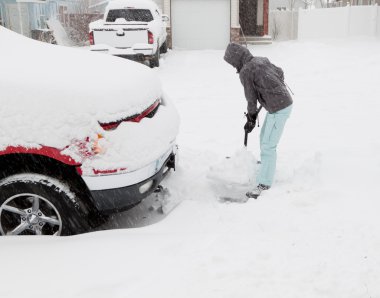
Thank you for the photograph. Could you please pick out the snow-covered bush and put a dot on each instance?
(77, 29)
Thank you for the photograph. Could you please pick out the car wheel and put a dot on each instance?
(155, 61)
(34, 204)
(164, 48)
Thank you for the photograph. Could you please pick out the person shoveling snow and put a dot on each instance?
(263, 82)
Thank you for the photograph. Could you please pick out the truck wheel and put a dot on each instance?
(164, 48)
(34, 204)
(155, 61)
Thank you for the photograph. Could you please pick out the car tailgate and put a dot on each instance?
(120, 37)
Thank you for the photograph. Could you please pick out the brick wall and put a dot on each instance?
(235, 35)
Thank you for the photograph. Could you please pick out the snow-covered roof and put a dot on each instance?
(51, 95)
(143, 4)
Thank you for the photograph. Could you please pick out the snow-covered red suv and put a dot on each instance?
(82, 134)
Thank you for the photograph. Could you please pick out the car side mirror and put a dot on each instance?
(165, 18)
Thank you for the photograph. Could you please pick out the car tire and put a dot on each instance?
(35, 204)
(155, 61)
(164, 48)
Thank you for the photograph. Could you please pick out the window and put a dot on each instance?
(130, 15)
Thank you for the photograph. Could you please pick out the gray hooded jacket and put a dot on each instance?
(262, 81)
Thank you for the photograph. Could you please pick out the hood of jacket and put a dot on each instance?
(237, 56)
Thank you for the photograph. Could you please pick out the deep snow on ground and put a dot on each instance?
(316, 233)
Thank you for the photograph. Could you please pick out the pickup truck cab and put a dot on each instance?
(133, 29)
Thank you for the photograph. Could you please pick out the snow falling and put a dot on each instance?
(316, 233)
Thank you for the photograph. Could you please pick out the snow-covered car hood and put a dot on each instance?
(51, 95)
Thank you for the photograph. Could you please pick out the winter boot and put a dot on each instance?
(257, 191)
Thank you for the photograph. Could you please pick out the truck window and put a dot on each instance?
(130, 15)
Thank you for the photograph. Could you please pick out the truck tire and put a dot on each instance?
(35, 204)
(155, 61)
(164, 48)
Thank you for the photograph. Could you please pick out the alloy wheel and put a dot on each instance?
(29, 214)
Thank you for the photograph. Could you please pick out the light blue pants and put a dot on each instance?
(269, 137)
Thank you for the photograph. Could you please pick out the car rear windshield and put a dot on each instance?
(130, 15)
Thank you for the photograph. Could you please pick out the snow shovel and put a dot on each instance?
(246, 131)
(238, 198)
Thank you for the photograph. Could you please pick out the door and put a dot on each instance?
(248, 17)
(200, 24)
(18, 18)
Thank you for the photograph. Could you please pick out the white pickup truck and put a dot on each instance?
(133, 29)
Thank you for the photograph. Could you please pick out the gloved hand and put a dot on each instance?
(251, 122)
(249, 126)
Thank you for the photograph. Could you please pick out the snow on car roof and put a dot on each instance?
(51, 95)
(143, 4)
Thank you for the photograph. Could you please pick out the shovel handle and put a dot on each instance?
(246, 132)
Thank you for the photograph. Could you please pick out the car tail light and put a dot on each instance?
(149, 112)
(150, 37)
(91, 38)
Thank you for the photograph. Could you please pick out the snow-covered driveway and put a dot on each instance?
(315, 234)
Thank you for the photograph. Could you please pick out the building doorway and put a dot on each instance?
(251, 14)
